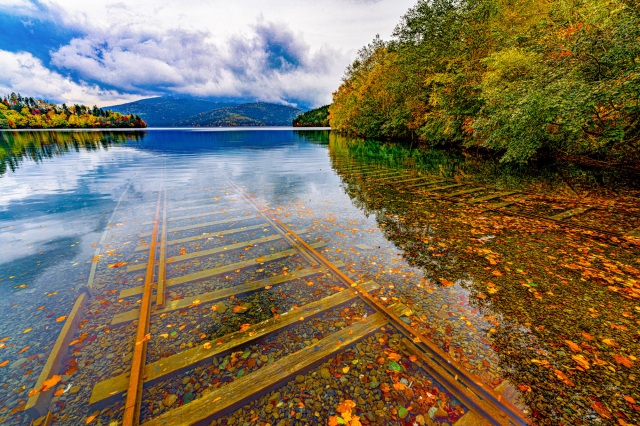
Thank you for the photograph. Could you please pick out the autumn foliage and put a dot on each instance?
(518, 78)
(17, 112)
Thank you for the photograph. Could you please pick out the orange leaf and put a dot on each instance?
(90, 419)
(49, 383)
(26, 348)
(144, 339)
(244, 327)
(394, 356)
(629, 399)
(385, 388)
(333, 421)
(563, 378)
(446, 283)
(573, 346)
(580, 359)
(601, 410)
(4, 363)
(207, 345)
(117, 265)
(413, 358)
(399, 386)
(587, 335)
(346, 406)
(62, 318)
(620, 359)
(27, 330)
(609, 342)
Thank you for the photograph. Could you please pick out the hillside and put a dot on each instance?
(168, 111)
(251, 114)
(318, 117)
(17, 112)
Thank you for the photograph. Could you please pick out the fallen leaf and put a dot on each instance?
(446, 283)
(345, 370)
(90, 419)
(385, 388)
(62, 318)
(26, 348)
(51, 382)
(346, 407)
(629, 399)
(582, 361)
(117, 265)
(4, 363)
(609, 342)
(601, 410)
(620, 359)
(144, 339)
(207, 345)
(563, 378)
(573, 346)
(399, 386)
(244, 327)
(58, 392)
(394, 356)
(27, 330)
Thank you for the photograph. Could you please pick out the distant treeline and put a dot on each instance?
(17, 112)
(521, 79)
(318, 117)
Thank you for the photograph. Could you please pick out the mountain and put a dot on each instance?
(168, 111)
(251, 114)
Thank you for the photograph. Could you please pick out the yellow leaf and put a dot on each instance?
(345, 370)
(582, 361)
(609, 342)
(27, 330)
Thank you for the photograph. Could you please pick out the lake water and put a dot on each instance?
(531, 277)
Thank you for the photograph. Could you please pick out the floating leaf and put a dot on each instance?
(117, 265)
(629, 399)
(27, 330)
(609, 342)
(207, 345)
(62, 318)
(244, 327)
(4, 363)
(26, 348)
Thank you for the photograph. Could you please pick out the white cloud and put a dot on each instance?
(215, 48)
(22, 72)
(272, 63)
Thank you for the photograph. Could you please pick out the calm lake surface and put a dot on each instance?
(529, 281)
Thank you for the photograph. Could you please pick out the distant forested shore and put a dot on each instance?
(524, 80)
(17, 112)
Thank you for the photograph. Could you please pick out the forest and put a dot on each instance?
(318, 117)
(521, 79)
(17, 112)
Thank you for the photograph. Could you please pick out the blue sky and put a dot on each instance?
(111, 52)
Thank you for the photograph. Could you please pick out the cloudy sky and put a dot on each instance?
(110, 52)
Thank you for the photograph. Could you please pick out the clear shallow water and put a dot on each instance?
(468, 275)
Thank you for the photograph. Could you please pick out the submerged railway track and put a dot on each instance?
(223, 223)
